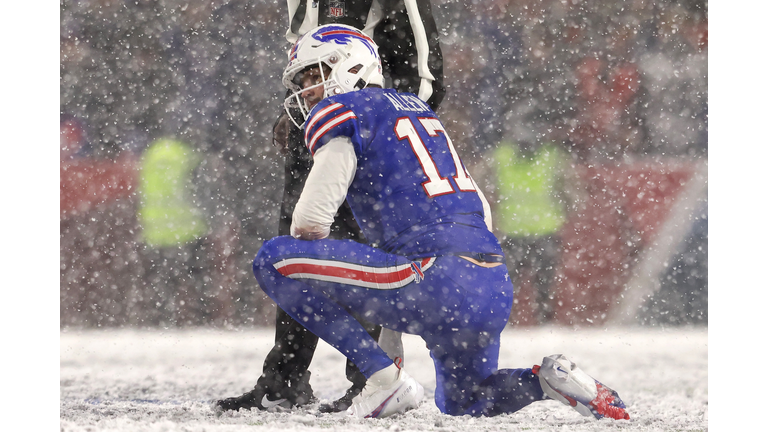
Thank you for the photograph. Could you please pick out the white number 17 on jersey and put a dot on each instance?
(436, 184)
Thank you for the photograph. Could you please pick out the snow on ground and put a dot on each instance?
(135, 380)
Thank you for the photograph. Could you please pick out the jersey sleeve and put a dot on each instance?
(329, 120)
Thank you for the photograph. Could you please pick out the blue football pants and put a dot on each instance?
(457, 307)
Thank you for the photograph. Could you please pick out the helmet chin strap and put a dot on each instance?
(298, 107)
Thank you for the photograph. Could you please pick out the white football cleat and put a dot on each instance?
(562, 380)
(387, 392)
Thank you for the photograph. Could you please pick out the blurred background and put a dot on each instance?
(584, 122)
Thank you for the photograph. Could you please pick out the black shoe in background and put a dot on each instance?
(342, 403)
(251, 399)
(299, 392)
(266, 395)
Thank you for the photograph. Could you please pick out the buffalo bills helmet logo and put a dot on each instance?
(342, 36)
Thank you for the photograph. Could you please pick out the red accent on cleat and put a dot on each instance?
(535, 369)
(377, 412)
(601, 404)
(570, 400)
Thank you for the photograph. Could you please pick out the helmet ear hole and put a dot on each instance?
(355, 69)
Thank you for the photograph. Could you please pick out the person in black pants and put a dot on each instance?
(412, 61)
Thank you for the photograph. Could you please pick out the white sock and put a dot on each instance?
(385, 377)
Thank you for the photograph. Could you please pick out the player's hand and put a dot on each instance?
(280, 133)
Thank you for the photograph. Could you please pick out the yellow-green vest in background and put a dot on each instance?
(167, 214)
(526, 202)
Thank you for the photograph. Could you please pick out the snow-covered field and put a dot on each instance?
(131, 380)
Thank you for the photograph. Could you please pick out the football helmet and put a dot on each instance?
(352, 61)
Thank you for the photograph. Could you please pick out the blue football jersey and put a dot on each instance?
(411, 193)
